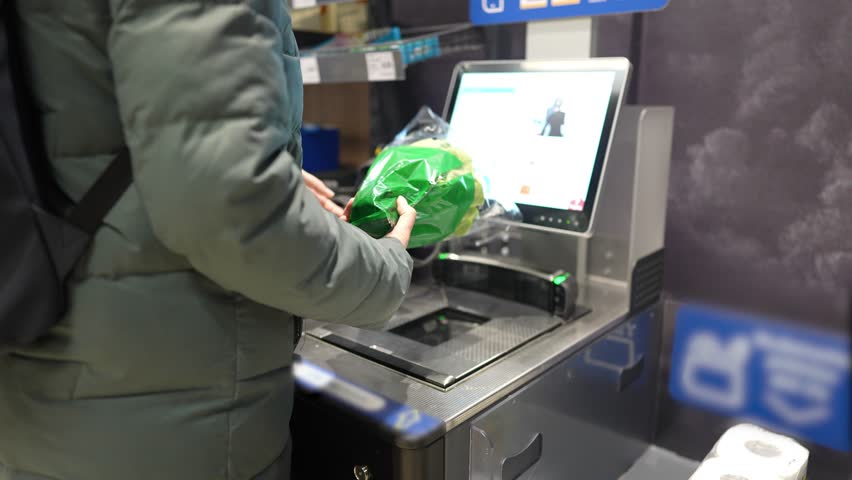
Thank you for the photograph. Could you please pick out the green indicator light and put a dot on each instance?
(560, 280)
(443, 256)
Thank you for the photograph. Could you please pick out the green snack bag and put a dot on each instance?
(435, 178)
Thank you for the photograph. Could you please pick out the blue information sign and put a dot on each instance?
(484, 12)
(791, 379)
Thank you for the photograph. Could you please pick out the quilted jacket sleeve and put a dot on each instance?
(210, 95)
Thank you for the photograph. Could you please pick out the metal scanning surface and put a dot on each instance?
(608, 304)
(508, 326)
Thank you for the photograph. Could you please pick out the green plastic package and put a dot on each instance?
(436, 179)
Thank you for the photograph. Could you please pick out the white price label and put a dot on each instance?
(310, 70)
(304, 3)
(381, 67)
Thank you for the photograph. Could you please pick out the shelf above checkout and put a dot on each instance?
(380, 55)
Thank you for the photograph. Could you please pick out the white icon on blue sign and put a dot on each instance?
(800, 379)
(493, 6)
(790, 378)
(708, 356)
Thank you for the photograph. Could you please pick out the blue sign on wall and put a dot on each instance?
(484, 12)
(791, 379)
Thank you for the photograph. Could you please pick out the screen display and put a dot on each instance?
(534, 136)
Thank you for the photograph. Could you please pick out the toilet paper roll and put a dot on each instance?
(721, 469)
(751, 445)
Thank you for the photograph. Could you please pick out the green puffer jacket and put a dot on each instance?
(174, 359)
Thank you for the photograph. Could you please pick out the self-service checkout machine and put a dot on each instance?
(525, 350)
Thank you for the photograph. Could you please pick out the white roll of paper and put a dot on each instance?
(755, 447)
(721, 469)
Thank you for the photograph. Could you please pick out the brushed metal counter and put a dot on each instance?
(462, 401)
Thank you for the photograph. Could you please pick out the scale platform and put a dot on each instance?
(443, 334)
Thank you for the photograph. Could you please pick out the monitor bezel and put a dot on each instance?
(532, 215)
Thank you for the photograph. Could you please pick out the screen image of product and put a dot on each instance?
(554, 124)
(554, 120)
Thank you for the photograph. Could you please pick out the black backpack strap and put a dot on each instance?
(89, 212)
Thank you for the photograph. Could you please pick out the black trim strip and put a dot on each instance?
(646, 284)
(439, 379)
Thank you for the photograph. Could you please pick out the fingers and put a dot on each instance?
(407, 217)
(347, 212)
(407, 214)
(317, 186)
(322, 192)
(330, 206)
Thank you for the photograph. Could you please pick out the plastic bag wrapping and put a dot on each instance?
(436, 178)
(425, 125)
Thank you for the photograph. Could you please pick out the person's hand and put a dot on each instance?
(407, 216)
(322, 192)
(347, 212)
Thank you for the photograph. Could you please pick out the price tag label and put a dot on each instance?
(310, 70)
(381, 67)
(304, 3)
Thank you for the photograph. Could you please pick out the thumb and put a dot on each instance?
(407, 214)
(407, 217)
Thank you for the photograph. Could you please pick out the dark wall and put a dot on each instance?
(760, 212)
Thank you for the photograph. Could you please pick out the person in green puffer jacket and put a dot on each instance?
(173, 361)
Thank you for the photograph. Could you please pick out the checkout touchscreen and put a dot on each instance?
(538, 138)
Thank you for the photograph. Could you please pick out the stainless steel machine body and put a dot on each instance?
(533, 395)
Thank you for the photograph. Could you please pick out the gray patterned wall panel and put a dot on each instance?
(760, 212)
(760, 207)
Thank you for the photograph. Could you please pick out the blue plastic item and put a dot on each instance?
(321, 149)
(420, 50)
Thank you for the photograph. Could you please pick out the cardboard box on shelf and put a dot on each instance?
(351, 17)
(309, 19)
(333, 18)
(346, 107)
